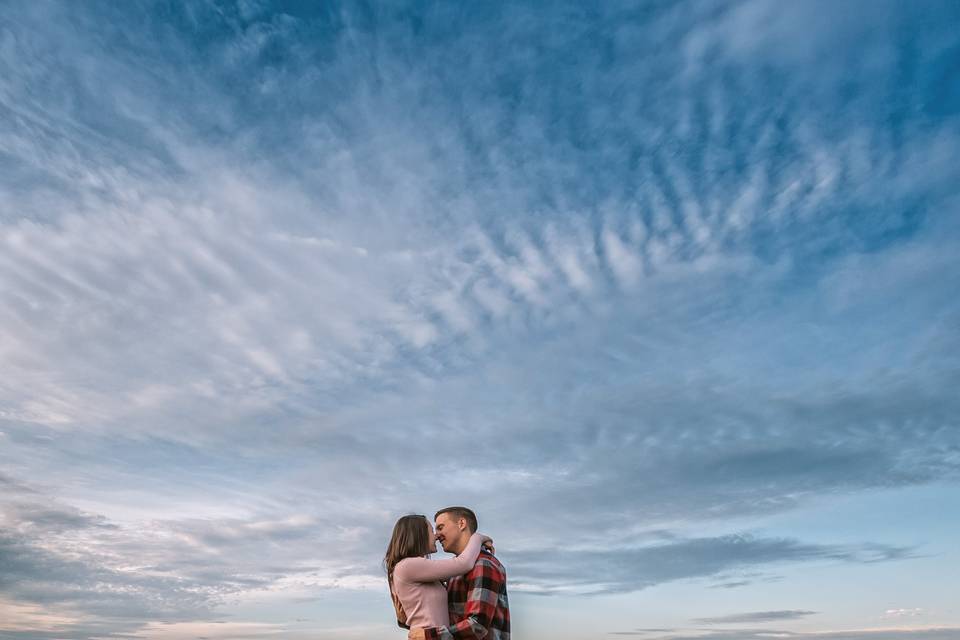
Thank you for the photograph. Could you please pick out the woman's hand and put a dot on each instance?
(416, 634)
(487, 542)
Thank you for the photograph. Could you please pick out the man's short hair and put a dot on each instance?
(460, 512)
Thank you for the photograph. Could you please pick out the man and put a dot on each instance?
(478, 600)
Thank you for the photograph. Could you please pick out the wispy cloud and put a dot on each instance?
(624, 570)
(642, 271)
(757, 616)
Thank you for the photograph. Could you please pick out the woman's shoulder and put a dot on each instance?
(401, 568)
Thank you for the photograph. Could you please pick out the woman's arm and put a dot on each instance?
(423, 570)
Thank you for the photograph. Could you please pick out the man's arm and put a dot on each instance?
(485, 584)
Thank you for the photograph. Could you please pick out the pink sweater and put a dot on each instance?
(416, 581)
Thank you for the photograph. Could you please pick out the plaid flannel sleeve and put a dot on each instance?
(485, 583)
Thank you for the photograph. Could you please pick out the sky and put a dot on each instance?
(666, 292)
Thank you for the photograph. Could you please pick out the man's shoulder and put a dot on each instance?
(487, 564)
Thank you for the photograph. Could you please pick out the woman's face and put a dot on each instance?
(431, 537)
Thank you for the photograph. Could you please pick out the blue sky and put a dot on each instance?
(666, 292)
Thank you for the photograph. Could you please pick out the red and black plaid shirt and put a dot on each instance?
(478, 604)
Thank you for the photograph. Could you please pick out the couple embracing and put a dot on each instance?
(473, 602)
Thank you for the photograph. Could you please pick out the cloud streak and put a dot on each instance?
(757, 616)
(644, 271)
(938, 633)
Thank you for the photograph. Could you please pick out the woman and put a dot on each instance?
(418, 596)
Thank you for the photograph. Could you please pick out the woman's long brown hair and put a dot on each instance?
(410, 539)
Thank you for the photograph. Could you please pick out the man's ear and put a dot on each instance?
(462, 523)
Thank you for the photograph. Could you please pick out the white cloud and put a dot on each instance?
(904, 613)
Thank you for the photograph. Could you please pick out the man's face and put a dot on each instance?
(451, 533)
